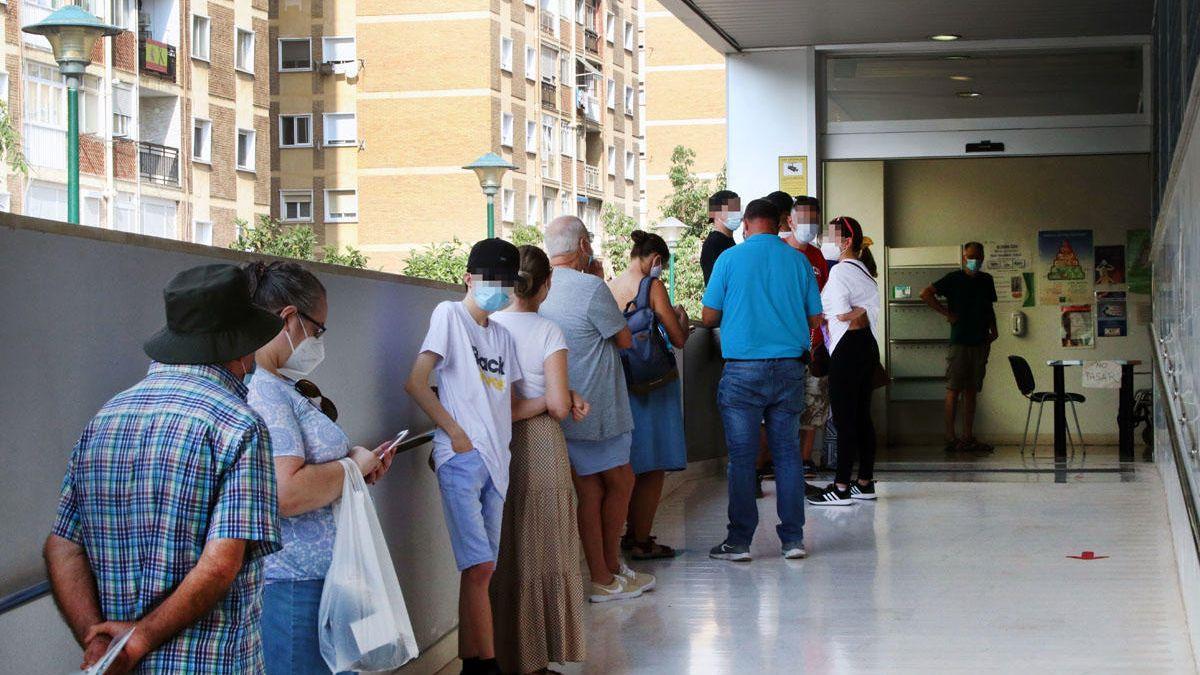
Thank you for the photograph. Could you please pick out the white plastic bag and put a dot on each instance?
(363, 623)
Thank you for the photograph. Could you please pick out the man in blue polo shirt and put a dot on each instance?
(763, 294)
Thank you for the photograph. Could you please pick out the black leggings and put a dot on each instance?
(851, 371)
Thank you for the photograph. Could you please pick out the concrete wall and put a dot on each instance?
(78, 302)
(949, 201)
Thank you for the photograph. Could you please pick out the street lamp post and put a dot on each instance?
(72, 32)
(671, 229)
(490, 168)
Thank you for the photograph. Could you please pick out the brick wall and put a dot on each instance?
(520, 212)
(318, 208)
(125, 52)
(223, 181)
(223, 225)
(262, 65)
(262, 150)
(318, 135)
(12, 25)
(520, 68)
(91, 155)
(275, 186)
(125, 159)
(519, 158)
(221, 79)
(619, 184)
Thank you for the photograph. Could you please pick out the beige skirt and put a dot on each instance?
(537, 590)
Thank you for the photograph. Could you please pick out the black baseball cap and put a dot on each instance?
(495, 260)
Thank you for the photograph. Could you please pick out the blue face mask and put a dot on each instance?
(491, 298)
(973, 264)
(733, 221)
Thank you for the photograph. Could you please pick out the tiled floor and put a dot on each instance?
(937, 576)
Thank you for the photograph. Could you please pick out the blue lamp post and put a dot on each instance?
(72, 32)
(490, 168)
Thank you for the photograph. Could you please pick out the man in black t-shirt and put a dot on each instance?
(969, 295)
(725, 214)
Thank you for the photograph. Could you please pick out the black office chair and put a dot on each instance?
(1025, 382)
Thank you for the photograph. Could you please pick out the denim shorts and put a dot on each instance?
(289, 628)
(474, 509)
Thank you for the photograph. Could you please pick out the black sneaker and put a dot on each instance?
(730, 552)
(859, 491)
(810, 470)
(831, 496)
(767, 471)
(811, 491)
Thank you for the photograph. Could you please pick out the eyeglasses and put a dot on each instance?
(320, 326)
(312, 392)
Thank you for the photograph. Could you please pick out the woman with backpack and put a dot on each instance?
(654, 394)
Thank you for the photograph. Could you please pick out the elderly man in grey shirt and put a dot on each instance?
(583, 307)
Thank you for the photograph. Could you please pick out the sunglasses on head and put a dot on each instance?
(311, 391)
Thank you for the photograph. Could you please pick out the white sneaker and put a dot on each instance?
(794, 551)
(639, 580)
(617, 590)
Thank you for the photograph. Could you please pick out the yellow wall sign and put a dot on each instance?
(793, 175)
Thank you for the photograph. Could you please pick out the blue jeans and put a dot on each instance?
(289, 628)
(751, 393)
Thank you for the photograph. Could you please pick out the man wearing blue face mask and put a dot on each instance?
(476, 363)
(969, 293)
(725, 214)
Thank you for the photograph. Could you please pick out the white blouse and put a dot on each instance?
(849, 285)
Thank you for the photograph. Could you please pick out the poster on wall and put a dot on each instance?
(1078, 330)
(1137, 273)
(1007, 262)
(1110, 265)
(1030, 289)
(1112, 318)
(1063, 275)
(793, 174)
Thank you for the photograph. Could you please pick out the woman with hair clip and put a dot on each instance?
(306, 443)
(851, 302)
(658, 443)
(537, 590)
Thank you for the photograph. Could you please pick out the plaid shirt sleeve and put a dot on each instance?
(246, 504)
(66, 524)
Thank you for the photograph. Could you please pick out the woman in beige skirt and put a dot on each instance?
(537, 589)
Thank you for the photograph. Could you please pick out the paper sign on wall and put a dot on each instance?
(1078, 329)
(793, 174)
(1112, 319)
(1006, 262)
(1102, 375)
(1064, 257)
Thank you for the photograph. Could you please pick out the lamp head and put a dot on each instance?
(490, 169)
(72, 32)
(671, 230)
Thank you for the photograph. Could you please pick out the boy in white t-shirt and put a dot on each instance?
(476, 363)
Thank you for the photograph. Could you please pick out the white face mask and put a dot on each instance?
(785, 235)
(305, 357)
(806, 232)
(733, 220)
(829, 251)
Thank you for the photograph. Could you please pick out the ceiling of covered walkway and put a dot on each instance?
(736, 25)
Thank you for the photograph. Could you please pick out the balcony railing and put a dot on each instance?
(156, 58)
(549, 24)
(591, 178)
(591, 42)
(590, 107)
(158, 163)
(549, 95)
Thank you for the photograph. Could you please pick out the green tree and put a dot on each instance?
(10, 144)
(688, 200)
(616, 244)
(271, 237)
(527, 234)
(446, 262)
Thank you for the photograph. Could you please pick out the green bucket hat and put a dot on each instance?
(210, 318)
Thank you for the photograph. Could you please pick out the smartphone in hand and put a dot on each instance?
(395, 441)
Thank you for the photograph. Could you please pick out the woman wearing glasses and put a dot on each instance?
(307, 444)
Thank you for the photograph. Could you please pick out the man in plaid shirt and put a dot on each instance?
(168, 504)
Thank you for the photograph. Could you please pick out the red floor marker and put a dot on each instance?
(1088, 555)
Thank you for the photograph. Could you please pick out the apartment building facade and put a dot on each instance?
(684, 102)
(174, 133)
(377, 104)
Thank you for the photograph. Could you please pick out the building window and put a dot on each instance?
(245, 149)
(506, 54)
(548, 139)
(339, 49)
(244, 51)
(531, 210)
(629, 100)
(202, 232)
(629, 33)
(158, 217)
(530, 136)
(548, 201)
(568, 140)
(549, 65)
(91, 119)
(508, 205)
(612, 161)
(124, 14)
(200, 32)
(568, 71)
(579, 12)
(630, 165)
(610, 94)
(295, 131)
(296, 205)
(610, 27)
(506, 129)
(341, 206)
(530, 63)
(122, 120)
(341, 129)
(295, 54)
(201, 140)
(125, 212)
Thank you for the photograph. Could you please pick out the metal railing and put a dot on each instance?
(156, 58)
(549, 95)
(158, 163)
(591, 42)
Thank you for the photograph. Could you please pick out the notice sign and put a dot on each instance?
(793, 174)
(1102, 375)
(1112, 319)
(1007, 262)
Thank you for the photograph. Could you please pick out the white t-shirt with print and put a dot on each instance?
(537, 338)
(476, 373)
